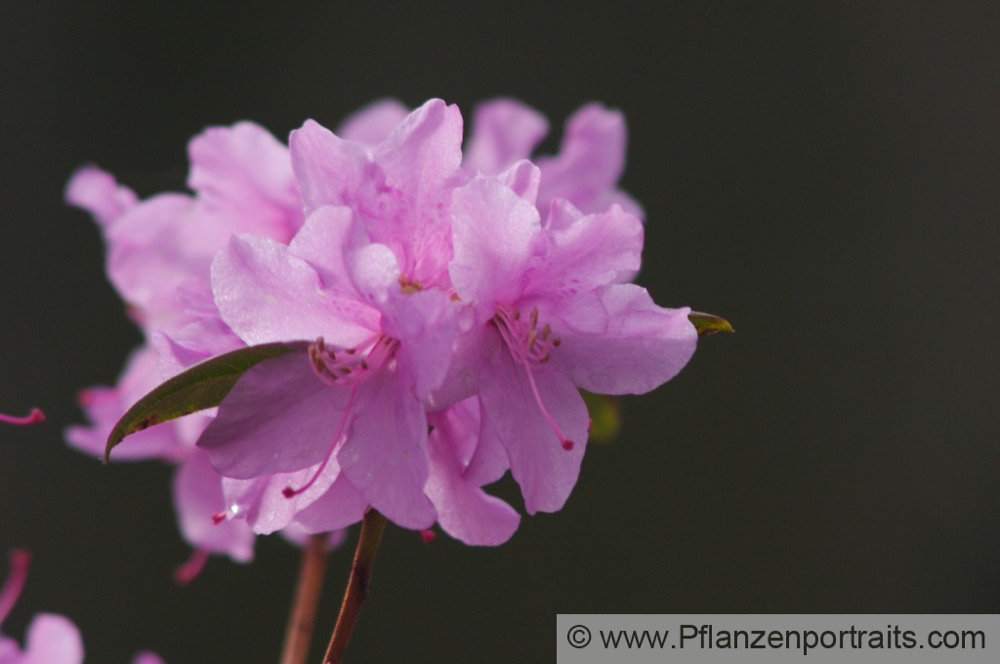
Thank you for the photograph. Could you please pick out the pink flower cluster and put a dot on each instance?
(448, 310)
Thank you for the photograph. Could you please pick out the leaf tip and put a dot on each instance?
(709, 324)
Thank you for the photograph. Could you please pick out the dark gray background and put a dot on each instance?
(824, 175)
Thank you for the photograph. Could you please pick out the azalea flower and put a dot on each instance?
(438, 301)
(159, 255)
(443, 311)
(551, 319)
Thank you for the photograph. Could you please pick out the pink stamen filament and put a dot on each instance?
(33, 417)
(20, 560)
(189, 570)
(566, 443)
(529, 347)
(288, 491)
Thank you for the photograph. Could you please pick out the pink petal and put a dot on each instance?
(151, 254)
(147, 658)
(495, 233)
(374, 123)
(198, 498)
(339, 507)
(52, 639)
(279, 417)
(398, 188)
(263, 503)
(100, 194)
(589, 163)
(592, 251)
(545, 470)
(327, 166)
(616, 340)
(264, 293)
(464, 510)
(503, 132)
(323, 240)
(244, 180)
(385, 456)
(426, 324)
(523, 178)
(105, 405)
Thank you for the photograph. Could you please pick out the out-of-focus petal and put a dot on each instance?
(244, 180)
(52, 639)
(503, 132)
(97, 192)
(374, 123)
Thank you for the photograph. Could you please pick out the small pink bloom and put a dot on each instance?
(551, 318)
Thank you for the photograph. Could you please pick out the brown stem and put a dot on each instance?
(298, 634)
(357, 586)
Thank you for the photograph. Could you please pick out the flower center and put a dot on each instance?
(345, 368)
(531, 347)
(348, 365)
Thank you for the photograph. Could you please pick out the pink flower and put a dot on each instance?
(378, 351)
(550, 318)
(446, 309)
(159, 255)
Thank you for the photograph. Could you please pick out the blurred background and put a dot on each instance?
(825, 176)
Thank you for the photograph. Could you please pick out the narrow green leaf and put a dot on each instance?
(707, 324)
(605, 416)
(202, 386)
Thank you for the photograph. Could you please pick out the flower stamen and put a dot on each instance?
(380, 350)
(33, 417)
(527, 347)
(20, 560)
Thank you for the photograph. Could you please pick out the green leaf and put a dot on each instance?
(605, 416)
(707, 324)
(202, 386)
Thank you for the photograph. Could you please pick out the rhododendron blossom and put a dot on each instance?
(443, 311)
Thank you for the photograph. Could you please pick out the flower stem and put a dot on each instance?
(357, 586)
(298, 634)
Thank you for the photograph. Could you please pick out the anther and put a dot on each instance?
(218, 517)
(427, 535)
